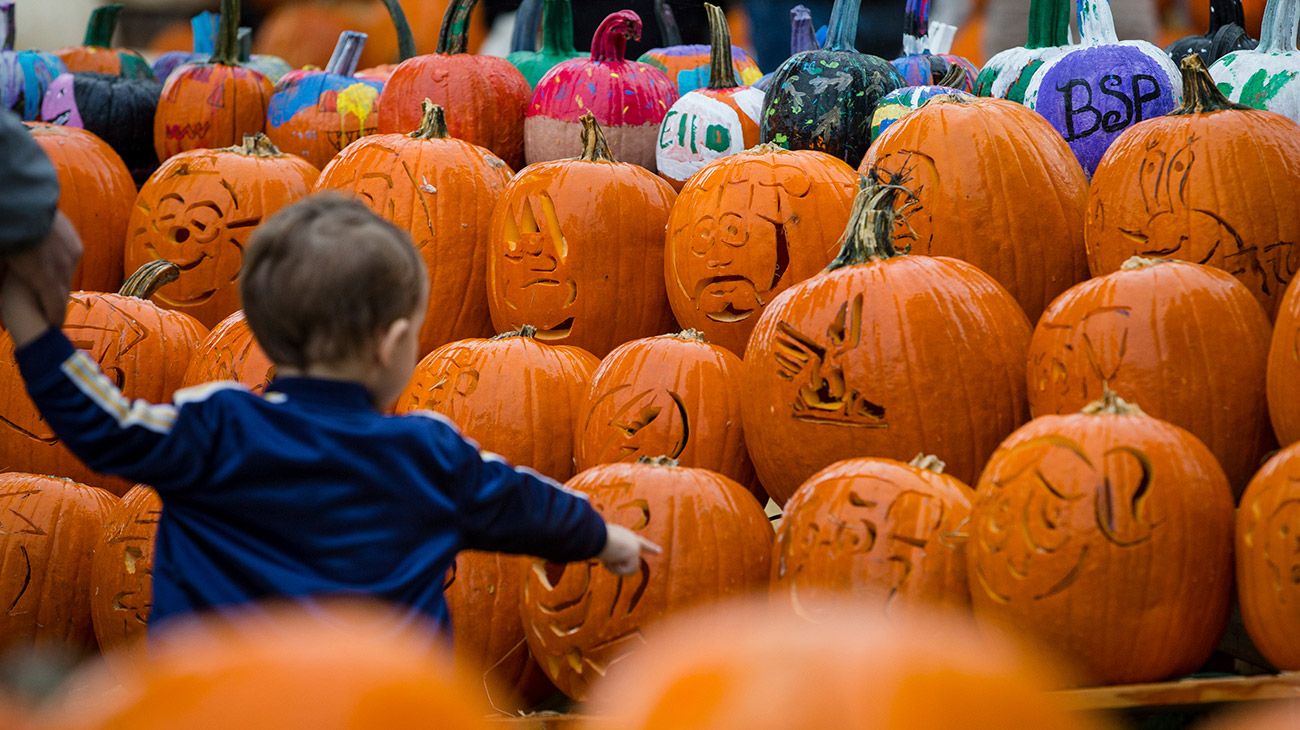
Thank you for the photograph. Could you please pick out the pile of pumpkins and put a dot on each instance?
(1022, 362)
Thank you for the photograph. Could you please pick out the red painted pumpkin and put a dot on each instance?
(95, 54)
(230, 352)
(121, 576)
(1283, 380)
(1268, 559)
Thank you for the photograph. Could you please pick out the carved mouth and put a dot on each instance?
(729, 313)
(558, 332)
(541, 282)
(62, 118)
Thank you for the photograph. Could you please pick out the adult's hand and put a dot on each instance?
(47, 269)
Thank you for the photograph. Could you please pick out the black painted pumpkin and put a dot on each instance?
(824, 99)
(1227, 33)
(118, 110)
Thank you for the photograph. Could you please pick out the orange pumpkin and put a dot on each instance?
(575, 248)
(1169, 187)
(1268, 559)
(230, 352)
(48, 527)
(485, 96)
(95, 55)
(887, 535)
(441, 190)
(215, 103)
(673, 395)
(121, 573)
(1190, 340)
(143, 348)
(581, 619)
(96, 195)
(972, 165)
(883, 355)
(1283, 382)
(1108, 535)
(198, 211)
(746, 228)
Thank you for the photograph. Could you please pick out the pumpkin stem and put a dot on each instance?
(433, 124)
(1096, 23)
(1111, 404)
(203, 27)
(7, 26)
(668, 30)
(557, 27)
(803, 37)
(928, 462)
(526, 331)
(1281, 20)
(661, 461)
(528, 19)
(226, 52)
(916, 25)
(257, 145)
(722, 69)
(1133, 263)
(690, 334)
(842, 34)
(245, 44)
(1226, 12)
(609, 44)
(148, 279)
(954, 77)
(405, 40)
(101, 26)
(1049, 23)
(347, 53)
(1200, 95)
(594, 146)
(454, 36)
(870, 233)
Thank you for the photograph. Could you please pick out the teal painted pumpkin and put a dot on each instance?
(557, 43)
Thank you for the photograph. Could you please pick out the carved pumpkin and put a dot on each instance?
(886, 535)
(230, 352)
(1008, 73)
(1269, 76)
(823, 99)
(897, 104)
(141, 347)
(1268, 559)
(883, 355)
(316, 114)
(215, 103)
(94, 55)
(48, 527)
(1156, 330)
(802, 38)
(1106, 534)
(199, 210)
(967, 163)
(557, 43)
(581, 619)
(121, 575)
(1284, 369)
(630, 99)
(24, 75)
(575, 248)
(673, 395)
(515, 396)
(712, 122)
(1227, 33)
(924, 64)
(442, 191)
(1094, 91)
(690, 66)
(1153, 196)
(748, 227)
(116, 109)
(203, 31)
(96, 193)
(485, 97)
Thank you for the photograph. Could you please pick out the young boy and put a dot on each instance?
(310, 490)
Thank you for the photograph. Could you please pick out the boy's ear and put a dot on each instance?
(391, 339)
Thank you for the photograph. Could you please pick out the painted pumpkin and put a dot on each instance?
(885, 535)
(47, 530)
(406, 46)
(557, 43)
(121, 572)
(690, 66)
(802, 38)
(96, 193)
(316, 114)
(203, 30)
(118, 110)
(95, 55)
(581, 619)
(1269, 76)
(485, 97)
(1268, 559)
(1163, 191)
(1094, 91)
(1156, 330)
(199, 211)
(672, 395)
(230, 352)
(897, 104)
(24, 75)
(823, 100)
(628, 98)
(141, 347)
(748, 227)
(863, 360)
(576, 249)
(1227, 33)
(968, 162)
(1083, 523)
(512, 394)
(442, 191)
(922, 64)
(712, 122)
(1008, 73)
(1284, 369)
(212, 104)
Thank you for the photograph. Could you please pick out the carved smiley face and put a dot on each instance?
(537, 275)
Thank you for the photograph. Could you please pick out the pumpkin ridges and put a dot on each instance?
(1264, 522)
(131, 525)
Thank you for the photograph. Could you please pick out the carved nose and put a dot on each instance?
(180, 235)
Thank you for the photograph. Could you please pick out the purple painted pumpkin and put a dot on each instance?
(687, 65)
(24, 75)
(925, 59)
(204, 29)
(802, 38)
(628, 98)
(1094, 91)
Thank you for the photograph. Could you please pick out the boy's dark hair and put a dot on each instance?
(323, 276)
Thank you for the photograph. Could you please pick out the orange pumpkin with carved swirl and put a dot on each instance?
(580, 619)
(1268, 559)
(121, 578)
(1106, 534)
(888, 536)
(230, 352)
(1283, 382)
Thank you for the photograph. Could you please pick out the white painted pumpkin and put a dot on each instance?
(1269, 76)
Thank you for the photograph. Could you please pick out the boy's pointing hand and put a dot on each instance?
(623, 549)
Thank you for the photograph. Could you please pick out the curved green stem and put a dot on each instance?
(842, 35)
(101, 26)
(1049, 23)
(557, 28)
(405, 40)
(226, 52)
(454, 36)
(722, 68)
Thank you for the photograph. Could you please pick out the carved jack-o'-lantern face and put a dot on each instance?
(651, 417)
(122, 571)
(192, 233)
(535, 268)
(1281, 547)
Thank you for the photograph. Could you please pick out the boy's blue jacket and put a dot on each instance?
(307, 491)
